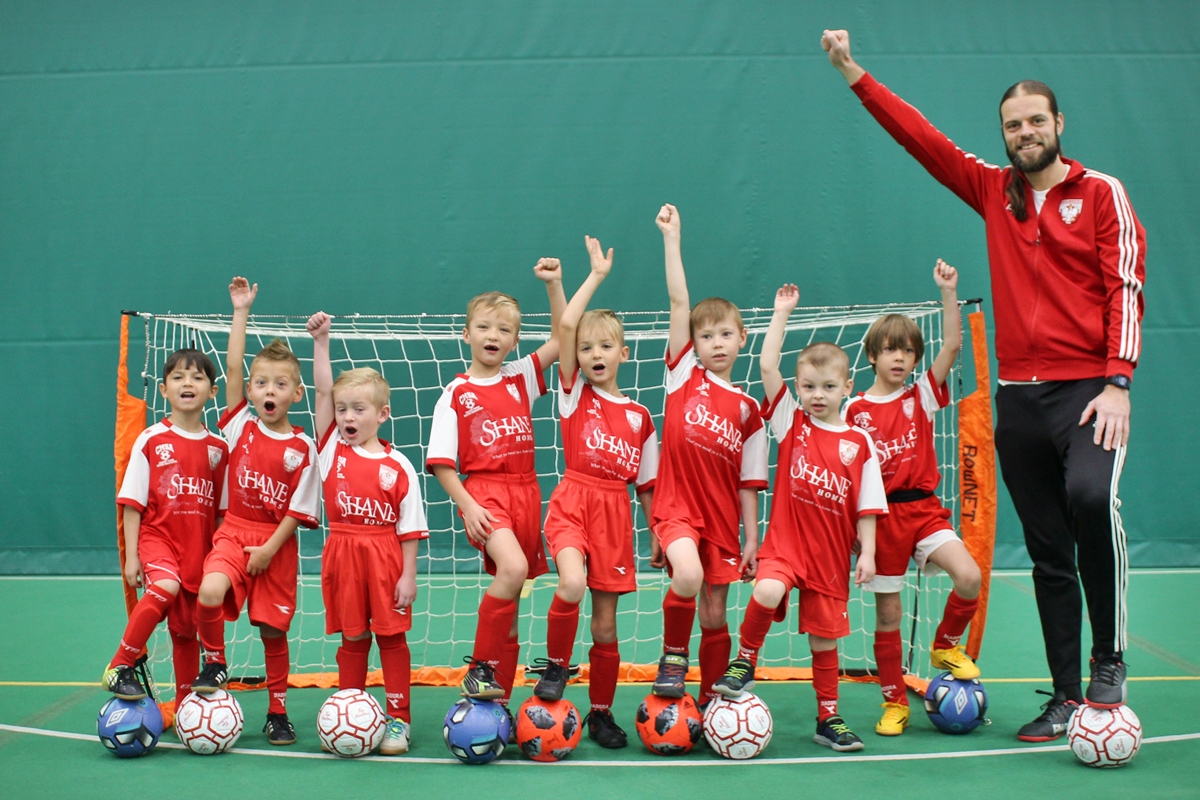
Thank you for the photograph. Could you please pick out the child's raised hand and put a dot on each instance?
(601, 263)
(668, 220)
(318, 324)
(837, 44)
(787, 297)
(242, 293)
(945, 276)
(548, 269)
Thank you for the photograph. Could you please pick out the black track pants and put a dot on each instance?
(1064, 488)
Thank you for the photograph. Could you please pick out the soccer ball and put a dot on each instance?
(209, 723)
(669, 727)
(129, 728)
(476, 731)
(1105, 737)
(548, 730)
(351, 723)
(955, 706)
(737, 727)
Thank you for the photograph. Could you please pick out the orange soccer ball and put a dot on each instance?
(669, 727)
(548, 730)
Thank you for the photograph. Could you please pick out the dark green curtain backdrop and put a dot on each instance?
(386, 157)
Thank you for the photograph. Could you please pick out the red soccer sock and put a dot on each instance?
(715, 645)
(210, 621)
(185, 656)
(561, 624)
(605, 660)
(279, 664)
(149, 611)
(491, 631)
(889, 651)
(352, 662)
(825, 682)
(955, 620)
(507, 672)
(755, 624)
(397, 665)
(678, 615)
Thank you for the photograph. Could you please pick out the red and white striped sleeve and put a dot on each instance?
(1121, 244)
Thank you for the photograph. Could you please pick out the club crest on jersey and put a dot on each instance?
(907, 407)
(292, 459)
(635, 421)
(745, 411)
(1069, 209)
(387, 477)
(214, 456)
(514, 391)
(847, 450)
(165, 453)
(469, 401)
(703, 388)
(863, 420)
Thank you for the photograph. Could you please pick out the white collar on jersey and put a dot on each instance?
(825, 426)
(366, 453)
(194, 435)
(270, 434)
(612, 398)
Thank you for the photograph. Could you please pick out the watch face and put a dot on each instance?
(1120, 381)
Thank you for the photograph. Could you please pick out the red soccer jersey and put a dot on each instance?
(826, 478)
(484, 424)
(174, 479)
(606, 436)
(271, 475)
(901, 426)
(364, 488)
(713, 444)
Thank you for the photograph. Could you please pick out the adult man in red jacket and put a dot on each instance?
(1067, 258)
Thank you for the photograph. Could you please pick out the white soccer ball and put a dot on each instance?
(351, 723)
(209, 723)
(1105, 737)
(738, 727)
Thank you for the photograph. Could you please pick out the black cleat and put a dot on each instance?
(737, 680)
(123, 682)
(1107, 687)
(1052, 722)
(672, 674)
(836, 734)
(213, 677)
(553, 681)
(604, 730)
(279, 730)
(480, 681)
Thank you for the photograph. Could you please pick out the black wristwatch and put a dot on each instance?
(1119, 381)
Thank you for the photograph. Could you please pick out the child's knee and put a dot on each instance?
(604, 631)
(888, 611)
(571, 586)
(968, 580)
(769, 592)
(511, 571)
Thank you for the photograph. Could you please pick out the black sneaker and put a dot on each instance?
(480, 681)
(123, 682)
(213, 677)
(737, 680)
(279, 730)
(672, 673)
(1107, 687)
(603, 728)
(1052, 722)
(836, 734)
(553, 681)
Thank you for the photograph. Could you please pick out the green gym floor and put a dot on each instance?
(49, 699)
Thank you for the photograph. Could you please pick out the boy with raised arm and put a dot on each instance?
(828, 493)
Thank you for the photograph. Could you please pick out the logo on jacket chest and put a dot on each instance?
(1070, 209)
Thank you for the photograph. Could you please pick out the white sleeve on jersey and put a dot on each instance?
(530, 369)
(933, 398)
(305, 503)
(135, 487)
(327, 449)
(412, 507)
(754, 456)
(648, 468)
(568, 402)
(235, 422)
(871, 495)
(679, 372)
(783, 411)
(443, 432)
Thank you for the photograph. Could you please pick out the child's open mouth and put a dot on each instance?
(269, 406)
(491, 348)
(185, 395)
(350, 430)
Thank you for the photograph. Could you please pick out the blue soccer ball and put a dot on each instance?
(955, 706)
(129, 728)
(476, 731)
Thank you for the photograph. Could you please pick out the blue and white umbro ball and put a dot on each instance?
(129, 728)
(476, 731)
(955, 706)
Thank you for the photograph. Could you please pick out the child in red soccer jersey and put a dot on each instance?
(170, 498)
(899, 418)
(482, 426)
(828, 493)
(609, 441)
(712, 467)
(376, 517)
(273, 488)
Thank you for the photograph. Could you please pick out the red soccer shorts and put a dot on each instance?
(719, 562)
(360, 567)
(820, 614)
(593, 515)
(159, 560)
(271, 593)
(908, 531)
(515, 502)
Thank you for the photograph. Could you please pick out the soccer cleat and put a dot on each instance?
(737, 680)
(553, 681)
(123, 682)
(279, 730)
(1107, 686)
(214, 676)
(894, 719)
(834, 733)
(1052, 722)
(955, 661)
(604, 730)
(672, 673)
(395, 738)
(480, 681)
(512, 725)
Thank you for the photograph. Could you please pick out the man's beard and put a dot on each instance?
(1050, 151)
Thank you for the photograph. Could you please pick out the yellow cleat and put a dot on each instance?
(894, 719)
(955, 661)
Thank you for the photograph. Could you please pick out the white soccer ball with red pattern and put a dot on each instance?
(209, 723)
(351, 723)
(1105, 737)
(738, 727)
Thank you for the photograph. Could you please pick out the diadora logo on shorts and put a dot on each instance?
(1069, 209)
(283, 609)
(165, 453)
(907, 407)
(387, 477)
(470, 402)
(514, 391)
(635, 421)
(619, 569)
(214, 456)
(847, 450)
(732, 561)
(292, 459)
